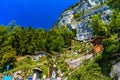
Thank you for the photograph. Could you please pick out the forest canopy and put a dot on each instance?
(19, 41)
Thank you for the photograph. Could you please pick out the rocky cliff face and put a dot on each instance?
(78, 17)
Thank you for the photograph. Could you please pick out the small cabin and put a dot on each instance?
(37, 74)
(39, 54)
(97, 42)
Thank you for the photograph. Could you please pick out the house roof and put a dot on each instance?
(98, 38)
(41, 52)
(37, 69)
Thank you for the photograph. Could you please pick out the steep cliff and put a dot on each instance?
(79, 15)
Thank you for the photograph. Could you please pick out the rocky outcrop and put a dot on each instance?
(74, 63)
(115, 72)
(86, 9)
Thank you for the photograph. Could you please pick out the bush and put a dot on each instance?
(76, 15)
(62, 65)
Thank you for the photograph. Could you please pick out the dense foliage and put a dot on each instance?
(18, 41)
(100, 28)
(99, 68)
(115, 4)
(77, 15)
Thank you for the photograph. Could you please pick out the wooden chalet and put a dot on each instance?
(97, 42)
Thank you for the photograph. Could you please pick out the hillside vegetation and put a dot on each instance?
(99, 68)
(60, 45)
(19, 41)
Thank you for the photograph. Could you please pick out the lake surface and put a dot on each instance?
(35, 13)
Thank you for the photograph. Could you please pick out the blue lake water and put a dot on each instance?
(36, 13)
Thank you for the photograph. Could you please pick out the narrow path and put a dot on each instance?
(77, 63)
(65, 78)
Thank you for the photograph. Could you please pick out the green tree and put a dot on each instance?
(55, 41)
(100, 28)
(40, 39)
(7, 53)
(16, 39)
(77, 15)
(8, 56)
(23, 40)
(67, 35)
(115, 4)
(115, 23)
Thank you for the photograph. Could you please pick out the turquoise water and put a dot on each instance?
(36, 13)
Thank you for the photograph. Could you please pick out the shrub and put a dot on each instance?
(76, 15)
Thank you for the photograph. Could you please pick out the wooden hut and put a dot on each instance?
(37, 74)
(97, 42)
